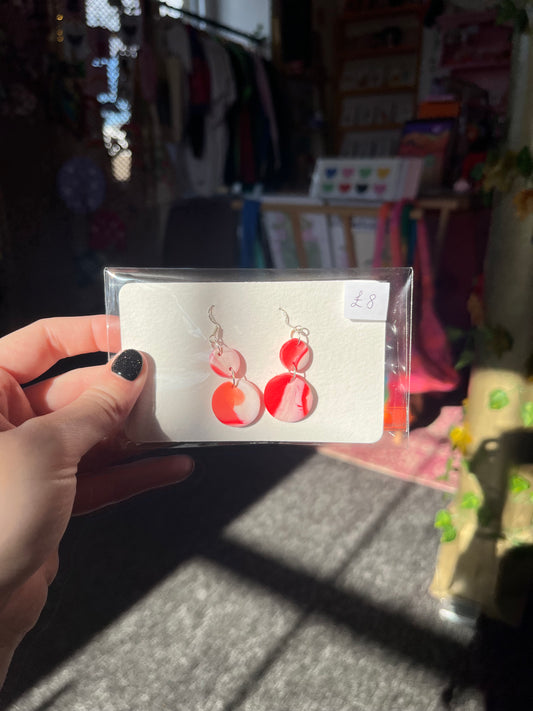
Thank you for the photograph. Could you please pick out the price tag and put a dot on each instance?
(366, 300)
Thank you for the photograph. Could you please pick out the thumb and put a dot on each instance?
(40, 459)
(100, 410)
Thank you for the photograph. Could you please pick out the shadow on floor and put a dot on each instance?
(113, 558)
(499, 663)
(108, 558)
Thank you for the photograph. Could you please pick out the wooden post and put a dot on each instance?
(485, 558)
(294, 216)
(349, 240)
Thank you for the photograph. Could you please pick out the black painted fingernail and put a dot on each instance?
(128, 364)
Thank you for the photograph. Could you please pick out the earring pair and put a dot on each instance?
(287, 397)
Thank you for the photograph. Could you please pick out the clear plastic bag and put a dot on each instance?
(301, 356)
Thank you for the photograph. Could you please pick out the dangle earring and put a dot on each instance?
(237, 403)
(289, 397)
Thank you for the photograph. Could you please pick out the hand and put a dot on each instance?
(61, 444)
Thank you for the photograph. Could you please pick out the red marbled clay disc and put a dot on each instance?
(224, 361)
(295, 355)
(288, 397)
(236, 405)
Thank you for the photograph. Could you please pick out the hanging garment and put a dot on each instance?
(175, 79)
(241, 161)
(179, 66)
(148, 73)
(265, 95)
(206, 173)
(280, 174)
(199, 94)
(178, 45)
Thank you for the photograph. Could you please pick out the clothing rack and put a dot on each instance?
(217, 25)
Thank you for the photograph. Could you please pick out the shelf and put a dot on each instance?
(452, 20)
(374, 127)
(377, 91)
(359, 16)
(379, 52)
(473, 66)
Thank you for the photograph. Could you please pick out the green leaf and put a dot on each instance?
(466, 465)
(443, 519)
(465, 359)
(524, 160)
(526, 412)
(506, 12)
(477, 171)
(470, 501)
(455, 334)
(517, 484)
(448, 534)
(498, 399)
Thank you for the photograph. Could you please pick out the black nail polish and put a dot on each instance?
(128, 364)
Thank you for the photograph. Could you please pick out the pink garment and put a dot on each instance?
(431, 360)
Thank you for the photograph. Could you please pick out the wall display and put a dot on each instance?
(379, 59)
(371, 144)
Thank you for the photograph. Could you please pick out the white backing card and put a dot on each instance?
(169, 321)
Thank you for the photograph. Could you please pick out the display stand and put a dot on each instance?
(444, 205)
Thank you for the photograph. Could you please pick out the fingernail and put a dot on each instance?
(128, 364)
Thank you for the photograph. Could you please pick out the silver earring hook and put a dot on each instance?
(215, 339)
(300, 330)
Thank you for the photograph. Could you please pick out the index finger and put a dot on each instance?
(27, 353)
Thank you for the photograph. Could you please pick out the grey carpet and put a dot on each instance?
(275, 579)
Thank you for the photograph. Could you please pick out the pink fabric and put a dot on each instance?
(431, 360)
(425, 457)
(381, 235)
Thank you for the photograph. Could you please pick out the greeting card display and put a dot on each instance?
(370, 179)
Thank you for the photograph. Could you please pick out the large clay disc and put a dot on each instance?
(236, 405)
(289, 397)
